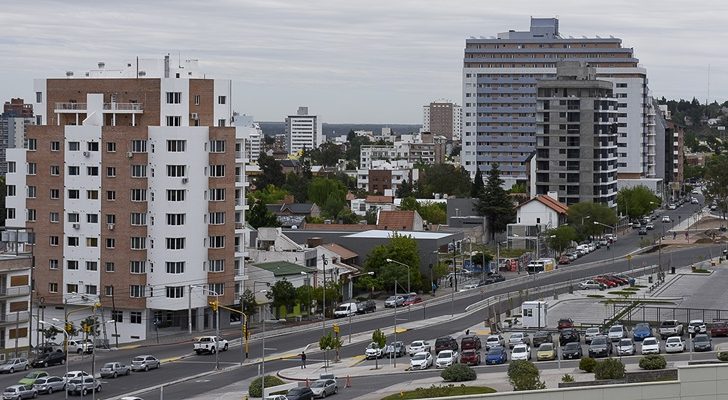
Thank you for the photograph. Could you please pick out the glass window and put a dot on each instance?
(137, 267)
(138, 146)
(216, 265)
(176, 146)
(175, 267)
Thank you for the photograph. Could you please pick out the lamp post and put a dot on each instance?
(323, 308)
(370, 273)
(614, 230)
(262, 376)
(216, 309)
(65, 334)
(389, 260)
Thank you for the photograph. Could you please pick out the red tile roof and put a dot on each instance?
(380, 199)
(549, 202)
(342, 251)
(396, 220)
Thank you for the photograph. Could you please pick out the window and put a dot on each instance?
(11, 166)
(174, 97)
(221, 122)
(110, 172)
(92, 242)
(92, 266)
(176, 146)
(55, 170)
(174, 120)
(217, 242)
(110, 218)
(111, 147)
(53, 263)
(175, 292)
(74, 146)
(90, 289)
(220, 99)
(53, 287)
(137, 267)
(55, 194)
(217, 218)
(218, 288)
(38, 97)
(139, 195)
(53, 240)
(175, 267)
(54, 217)
(139, 171)
(71, 288)
(33, 168)
(136, 291)
(109, 291)
(73, 241)
(111, 195)
(72, 264)
(116, 315)
(176, 170)
(10, 190)
(138, 146)
(138, 243)
(31, 144)
(32, 191)
(74, 194)
(217, 146)
(110, 243)
(217, 171)
(110, 267)
(92, 146)
(196, 98)
(92, 194)
(217, 194)
(31, 215)
(175, 243)
(139, 219)
(92, 218)
(175, 219)
(135, 317)
(10, 213)
(176, 195)
(217, 265)
(74, 170)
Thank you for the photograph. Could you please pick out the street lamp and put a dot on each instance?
(65, 334)
(389, 260)
(370, 273)
(614, 230)
(217, 321)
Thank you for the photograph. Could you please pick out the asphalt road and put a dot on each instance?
(599, 261)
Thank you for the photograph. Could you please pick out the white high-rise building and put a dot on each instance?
(253, 136)
(303, 131)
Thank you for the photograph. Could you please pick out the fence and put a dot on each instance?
(656, 313)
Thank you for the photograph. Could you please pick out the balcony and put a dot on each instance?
(109, 108)
(14, 291)
(16, 317)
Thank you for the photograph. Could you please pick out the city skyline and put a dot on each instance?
(346, 63)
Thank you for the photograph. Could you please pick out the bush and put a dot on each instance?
(523, 375)
(587, 364)
(458, 373)
(653, 361)
(611, 368)
(567, 378)
(723, 355)
(270, 380)
(439, 391)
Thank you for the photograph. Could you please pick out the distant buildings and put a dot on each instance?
(670, 151)
(16, 116)
(444, 118)
(303, 131)
(253, 136)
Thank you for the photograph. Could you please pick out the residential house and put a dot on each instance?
(533, 217)
(294, 214)
(400, 221)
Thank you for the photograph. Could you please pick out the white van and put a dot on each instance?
(345, 310)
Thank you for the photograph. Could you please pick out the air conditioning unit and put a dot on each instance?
(111, 227)
(86, 154)
(194, 116)
(76, 226)
(129, 154)
(184, 180)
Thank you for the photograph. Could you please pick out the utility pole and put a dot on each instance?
(113, 307)
(454, 266)
(189, 310)
(323, 309)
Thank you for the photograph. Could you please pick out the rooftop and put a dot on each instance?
(284, 268)
(386, 234)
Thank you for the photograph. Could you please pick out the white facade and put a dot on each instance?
(253, 136)
(537, 213)
(303, 131)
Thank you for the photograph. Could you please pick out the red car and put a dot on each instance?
(618, 279)
(412, 300)
(608, 283)
(719, 329)
(564, 260)
(565, 323)
(470, 357)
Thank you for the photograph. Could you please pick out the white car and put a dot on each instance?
(421, 360)
(674, 344)
(697, 326)
(666, 218)
(74, 374)
(617, 333)
(521, 352)
(591, 333)
(625, 347)
(590, 284)
(373, 351)
(419, 346)
(670, 206)
(493, 341)
(650, 345)
(517, 338)
(446, 358)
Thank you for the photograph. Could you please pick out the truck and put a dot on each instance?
(114, 369)
(541, 265)
(670, 327)
(345, 310)
(209, 344)
(80, 346)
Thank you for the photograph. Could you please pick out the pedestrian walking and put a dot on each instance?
(303, 360)
(467, 332)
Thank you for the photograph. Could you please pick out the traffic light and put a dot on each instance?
(213, 305)
(69, 327)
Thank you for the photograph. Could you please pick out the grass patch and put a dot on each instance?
(595, 296)
(621, 292)
(631, 289)
(440, 391)
(641, 301)
(701, 271)
(640, 286)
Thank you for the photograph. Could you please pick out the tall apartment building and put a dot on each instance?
(499, 97)
(443, 117)
(253, 136)
(303, 131)
(670, 151)
(134, 184)
(576, 136)
(16, 263)
(16, 116)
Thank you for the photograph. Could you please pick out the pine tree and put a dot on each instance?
(259, 216)
(495, 204)
(478, 185)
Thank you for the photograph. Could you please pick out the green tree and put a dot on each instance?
(400, 248)
(611, 368)
(495, 204)
(524, 375)
(716, 181)
(329, 194)
(518, 188)
(582, 215)
(355, 142)
(560, 238)
(409, 204)
(434, 213)
(250, 305)
(259, 216)
(443, 178)
(478, 185)
(305, 296)
(268, 195)
(50, 333)
(404, 189)
(282, 294)
(297, 185)
(371, 217)
(637, 201)
(380, 339)
(331, 342)
(328, 154)
(271, 172)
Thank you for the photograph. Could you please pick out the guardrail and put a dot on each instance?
(20, 316)
(14, 291)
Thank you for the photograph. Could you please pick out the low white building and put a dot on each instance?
(533, 217)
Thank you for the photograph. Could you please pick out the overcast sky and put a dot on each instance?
(349, 61)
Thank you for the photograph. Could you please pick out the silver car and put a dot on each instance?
(324, 387)
(83, 385)
(14, 364)
(144, 363)
(49, 384)
(17, 392)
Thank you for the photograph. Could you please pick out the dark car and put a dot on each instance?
(51, 358)
(571, 350)
(366, 306)
(412, 300)
(470, 342)
(496, 355)
(541, 337)
(600, 347)
(445, 343)
(470, 357)
(568, 335)
(396, 349)
(565, 323)
(702, 342)
(302, 393)
(719, 329)
(642, 231)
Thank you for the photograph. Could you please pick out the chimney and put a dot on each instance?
(554, 195)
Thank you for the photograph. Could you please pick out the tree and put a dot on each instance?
(297, 185)
(404, 189)
(305, 296)
(283, 294)
(330, 342)
(271, 172)
(329, 194)
(434, 213)
(50, 333)
(259, 216)
(611, 368)
(560, 238)
(328, 154)
(582, 216)
(409, 204)
(380, 339)
(478, 185)
(716, 181)
(495, 204)
(637, 201)
(524, 375)
(400, 248)
(271, 194)
(443, 178)
(250, 305)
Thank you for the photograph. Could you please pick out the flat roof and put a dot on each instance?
(385, 234)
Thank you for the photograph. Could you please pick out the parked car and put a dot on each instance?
(470, 342)
(591, 284)
(702, 342)
(496, 355)
(47, 359)
(650, 345)
(74, 374)
(674, 344)
(546, 351)
(670, 327)
(49, 384)
(31, 377)
(719, 329)
(564, 259)
(650, 226)
(49, 347)
(446, 358)
(396, 349)
(421, 360)
(83, 385)
(521, 352)
(80, 346)
(517, 338)
(269, 397)
(641, 330)
(393, 301)
(324, 387)
(470, 357)
(642, 231)
(144, 363)
(19, 392)
(568, 335)
(373, 351)
(345, 310)
(625, 347)
(606, 282)
(494, 341)
(565, 323)
(445, 343)
(696, 326)
(301, 393)
(419, 346)
(573, 256)
(412, 300)
(366, 306)
(114, 369)
(617, 332)
(14, 364)
(600, 346)
(541, 337)
(666, 218)
(571, 350)
(210, 344)
(591, 333)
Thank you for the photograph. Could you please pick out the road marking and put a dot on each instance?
(171, 359)
(401, 330)
(130, 347)
(358, 360)
(485, 331)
